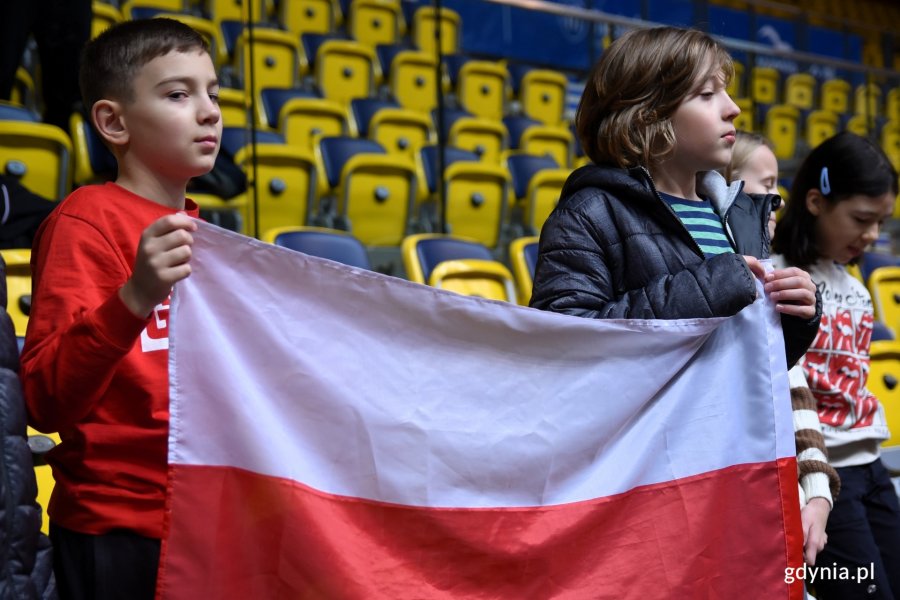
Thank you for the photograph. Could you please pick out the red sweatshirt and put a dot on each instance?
(94, 372)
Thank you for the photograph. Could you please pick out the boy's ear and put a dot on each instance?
(107, 118)
(815, 202)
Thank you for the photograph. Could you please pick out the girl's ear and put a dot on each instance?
(107, 118)
(815, 202)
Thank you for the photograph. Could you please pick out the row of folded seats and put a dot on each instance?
(377, 174)
(341, 65)
(385, 190)
(798, 111)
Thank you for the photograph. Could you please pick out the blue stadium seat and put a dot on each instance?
(332, 244)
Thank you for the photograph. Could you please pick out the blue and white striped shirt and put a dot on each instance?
(702, 223)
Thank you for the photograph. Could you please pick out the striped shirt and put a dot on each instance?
(702, 223)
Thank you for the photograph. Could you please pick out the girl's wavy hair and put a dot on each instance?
(624, 117)
(110, 62)
(842, 166)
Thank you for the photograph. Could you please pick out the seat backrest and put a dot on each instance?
(873, 260)
(235, 138)
(93, 160)
(332, 244)
(308, 16)
(11, 112)
(374, 22)
(884, 286)
(337, 150)
(522, 168)
(426, 22)
(884, 383)
(516, 126)
(274, 98)
(364, 109)
(430, 156)
(423, 252)
(523, 253)
(39, 154)
(17, 287)
(475, 277)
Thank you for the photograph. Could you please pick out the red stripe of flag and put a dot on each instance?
(240, 535)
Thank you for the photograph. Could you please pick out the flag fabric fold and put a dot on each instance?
(337, 433)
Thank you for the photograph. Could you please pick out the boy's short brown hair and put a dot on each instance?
(633, 90)
(111, 60)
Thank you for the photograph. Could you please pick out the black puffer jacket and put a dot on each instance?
(26, 569)
(614, 249)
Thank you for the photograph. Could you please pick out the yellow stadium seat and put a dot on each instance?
(308, 16)
(411, 77)
(285, 179)
(18, 287)
(425, 22)
(277, 61)
(867, 100)
(40, 154)
(537, 183)
(890, 141)
(735, 87)
(22, 93)
(523, 252)
(40, 444)
(531, 137)
(744, 121)
(859, 124)
(892, 104)
(820, 125)
(884, 376)
(485, 137)
(473, 277)
(480, 86)
(234, 107)
(457, 264)
(835, 96)
(302, 117)
(475, 195)
(781, 128)
(374, 22)
(884, 285)
(236, 10)
(104, 16)
(344, 69)
(764, 85)
(398, 130)
(800, 91)
(542, 95)
(373, 192)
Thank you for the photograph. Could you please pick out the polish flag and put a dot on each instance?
(340, 434)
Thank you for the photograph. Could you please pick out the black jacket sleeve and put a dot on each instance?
(800, 333)
(573, 276)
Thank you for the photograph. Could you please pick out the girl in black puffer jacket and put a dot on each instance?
(624, 240)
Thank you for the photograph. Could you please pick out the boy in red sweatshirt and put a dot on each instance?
(94, 365)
